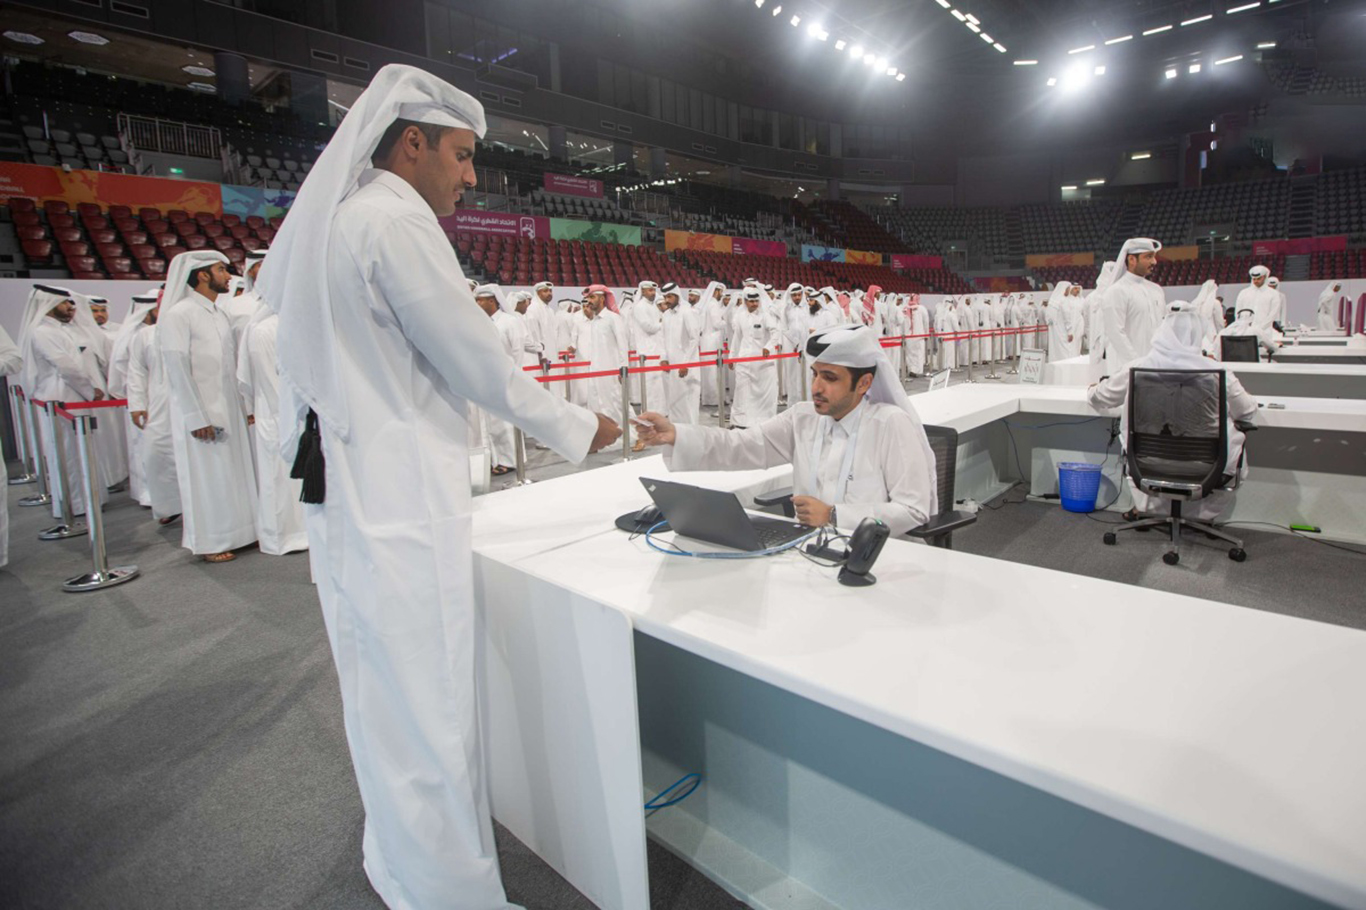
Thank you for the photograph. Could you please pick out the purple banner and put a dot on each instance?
(906, 261)
(742, 246)
(572, 186)
(474, 221)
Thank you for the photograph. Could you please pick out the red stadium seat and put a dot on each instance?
(77, 248)
(67, 235)
(165, 240)
(38, 252)
(60, 220)
(255, 221)
(224, 244)
(236, 257)
(88, 208)
(22, 204)
(251, 243)
(266, 234)
(185, 228)
(103, 235)
(171, 252)
(213, 230)
(134, 237)
(82, 263)
(231, 221)
(127, 224)
(240, 231)
(205, 217)
(119, 211)
(176, 216)
(142, 251)
(56, 207)
(149, 214)
(88, 276)
(26, 218)
(118, 265)
(156, 226)
(31, 232)
(152, 268)
(95, 222)
(196, 241)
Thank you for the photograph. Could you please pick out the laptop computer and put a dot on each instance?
(717, 517)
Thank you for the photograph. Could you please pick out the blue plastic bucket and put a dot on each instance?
(1078, 485)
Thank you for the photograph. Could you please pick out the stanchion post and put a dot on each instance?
(25, 474)
(564, 358)
(991, 364)
(801, 362)
(626, 413)
(1015, 368)
(782, 393)
(969, 379)
(101, 576)
(61, 486)
(519, 451)
(644, 404)
(720, 388)
(44, 495)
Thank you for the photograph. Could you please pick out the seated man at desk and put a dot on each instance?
(857, 448)
(1176, 346)
(1268, 339)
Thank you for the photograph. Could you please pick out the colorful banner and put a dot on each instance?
(907, 261)
(594, 231)
(743, 246)
(103, 188)
(862, 257)
(1044, 260)
(687, 240)
(1178, 253)
(1299, 247)
(811, 253)
(499, 224)
(245, 201)
(998, 284)
(568, 185)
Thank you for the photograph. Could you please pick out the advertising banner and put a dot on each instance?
(41, 183)
(594, 231)
(908, 261)
(1299, 246)
(743, 246)
(254, 200)
(1037, 260)
(1178, 253)
(496, 223)
(568, 185)
(687, 240)
(811, 253)
(862, 257)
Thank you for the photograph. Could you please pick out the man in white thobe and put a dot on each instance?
(11, 364)
(682, 385)
(1095, 325)
(714, 312)
(244, 307)
(279, 514)
(109, 443)
(756, 382)
(1244, 324)
(1133, 306)
(916, 323)
(55, 368)
(149, 409)
(646, 334)
(1278, 315)
(946, 324)
(540, 319)
(1327, 307)
(1259, 297)
(792, 325)
(1064, 332)
(382, 350)
(857, 449)
(119, 354)
(208, 429)
(600, 340)
(516, 344)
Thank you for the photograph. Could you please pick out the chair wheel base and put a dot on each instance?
(63, 532)
(1109, 538)
(1171, 558)
(1237, 554)
(94, 581)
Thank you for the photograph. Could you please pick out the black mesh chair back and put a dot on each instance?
(1178, 431)
(944, 442)
(1238, 349)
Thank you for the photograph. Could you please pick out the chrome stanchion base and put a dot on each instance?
(21, 479)
(93, 581)
(62, 532)
(37, 499)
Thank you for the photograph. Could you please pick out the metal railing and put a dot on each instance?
(170, 137)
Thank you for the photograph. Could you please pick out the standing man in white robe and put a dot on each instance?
(246, 306)
(119, 355)
(1244, 323)
(1133, 306)
(279, 514)
(1327, 305)
(110, 445)
(857, 449)
(1278, 316)
(646, 333)
(600, 339)
(946, 324)
(756, 382)
(540, 319)
(1064, 333)
(714, 312)
(683, 385)
(916, 322)
(55, 369)
(208, 430)
(149, 409)
(494, 301)
(11, 364)
(792, 324)
(981, 322)
(381, 350)
(1206, 303)
(1259, 297)
(1095, 326)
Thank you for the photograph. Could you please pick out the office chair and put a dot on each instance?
(1239, 349)
(1177, 448)
(938, 531)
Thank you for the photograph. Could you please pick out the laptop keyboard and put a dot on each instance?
(773, 535)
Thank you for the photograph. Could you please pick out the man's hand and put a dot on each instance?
(571, 352)
(251, 420)
(139, 419)
(682, 372)
(662, 433)
(665, 365)
(811, 511)
(99, 395)
(608, 433)
(205, 433)
(765, 352)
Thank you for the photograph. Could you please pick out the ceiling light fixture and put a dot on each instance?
(841, 44)
(88, 38)
(1026, 63)
(1096, 182)
(1204, 18)
(197, 70)
(1158, 30)
(1069, 186)
(1140, 156)
(796, 21)
(1082, 50)
(201, 87)
(880, 63)
(900, 77)
(891, 71)
(1242, 9)
(1171, 73)
(975, 28)
(944, 3)
(759, 3)
(1233, 59)
(1266, 45)
(1001, 48)
(1120, 40)
(973, 19)
(23, 38)
(985, 37)
(1194, 68)
(1100, 71)
(1051, 82)
(870, 59)
(856, 50)
(776, 11)
(959, 16)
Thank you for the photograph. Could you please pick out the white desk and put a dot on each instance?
(1292, 378)
(850, 738)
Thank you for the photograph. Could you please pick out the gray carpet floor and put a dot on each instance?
(176, 742)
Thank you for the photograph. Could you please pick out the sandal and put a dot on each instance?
(500, 470)
(220, 557)
(167, 520)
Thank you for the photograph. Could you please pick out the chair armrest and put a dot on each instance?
(943, 524)
(774, 497)
(1247, 426)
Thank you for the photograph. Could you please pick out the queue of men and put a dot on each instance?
(198, 440)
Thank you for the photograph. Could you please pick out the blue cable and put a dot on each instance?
(655, 804)
(752, 554)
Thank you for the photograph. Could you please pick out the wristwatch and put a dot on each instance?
(833, 523)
